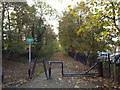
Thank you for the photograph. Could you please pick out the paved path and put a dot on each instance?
(57, 80)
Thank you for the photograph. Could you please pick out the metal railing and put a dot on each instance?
(73, 75)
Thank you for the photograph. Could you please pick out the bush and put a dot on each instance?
(64, 52)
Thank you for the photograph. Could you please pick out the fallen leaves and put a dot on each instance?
(76, 66)
(97, 86)
(60, 79)
(101, 86)
(23, 80)
(76, 86)
(77, 82)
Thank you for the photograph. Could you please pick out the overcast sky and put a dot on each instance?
(59, 5)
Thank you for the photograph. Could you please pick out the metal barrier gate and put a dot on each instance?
(70, 75)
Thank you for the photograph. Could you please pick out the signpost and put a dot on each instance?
(29, 41)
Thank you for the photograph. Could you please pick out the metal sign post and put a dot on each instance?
(29, 41)
(29, 61)
(29, 53)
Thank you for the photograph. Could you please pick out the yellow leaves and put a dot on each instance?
(98, 39)
(84, 23)
(84, 8)
(113, 24)
(92, 17)
(104, 33)
(105, 24)
(90, 13)
(69, 6)
(70, 9)
(81, 4)
(110, 13)
(71, 12)
(95, 2)
(87, 27)
(92, 3)
(82, 17)
(75, 15)
(110, 21)
(101, 11)
(98, 15)
(85, 12)
(95, 23)
(113, 29)
(79, 31)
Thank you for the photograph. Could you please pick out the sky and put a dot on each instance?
(60, 6)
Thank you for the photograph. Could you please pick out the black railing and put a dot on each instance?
(85, 73)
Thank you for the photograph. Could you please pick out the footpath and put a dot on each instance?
(57, 81)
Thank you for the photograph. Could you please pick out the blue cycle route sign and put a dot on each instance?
(29, 41)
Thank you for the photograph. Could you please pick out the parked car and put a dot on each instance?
(112, 56)
(102, 55)
(115, 59)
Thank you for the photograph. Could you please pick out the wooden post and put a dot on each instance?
(100, 69)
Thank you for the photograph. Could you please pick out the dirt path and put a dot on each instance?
(57, 80)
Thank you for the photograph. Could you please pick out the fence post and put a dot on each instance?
(29, 74)
(49, 70)
(62, 69)
(2, 78)
(100, 69)
(109, 65)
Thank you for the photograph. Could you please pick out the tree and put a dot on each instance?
(101, 14)
(20, 22)
(98, 24)
(75, 36)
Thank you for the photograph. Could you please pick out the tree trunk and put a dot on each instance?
(3, 15)
(9, 32)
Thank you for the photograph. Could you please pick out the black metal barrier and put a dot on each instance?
(73, 75)
(49, 68)
(45, 70)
